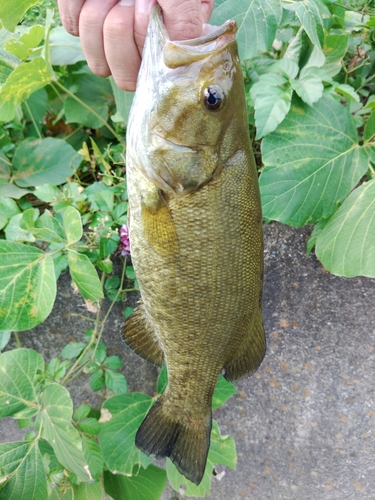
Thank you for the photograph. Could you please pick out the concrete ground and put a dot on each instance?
(304, 424)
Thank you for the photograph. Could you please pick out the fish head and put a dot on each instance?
(188, 95)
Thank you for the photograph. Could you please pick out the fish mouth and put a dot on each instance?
(181, 52)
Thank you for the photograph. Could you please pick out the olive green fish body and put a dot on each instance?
(196, 237)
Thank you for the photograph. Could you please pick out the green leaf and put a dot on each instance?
(222, 451)
(11, 12)
(18, 387)
(123, 100)
(81, 412)
(347, 91)
(346, 246)
(223, 391)
(335, 47)
(369, 131)
(312, 162)
(64, 48)
(72, 225)
(309, 86)
(85, 276)
(12, 191)
(21, 83)
(116, 382)
(309, 16)
(58, 430)
(22, 475)
(144, 484)
(5, 336)
(89, 426)
(85, 491)
(122, 417)
(97, 380)
(8, 208)
(72, 350)
(48, 228)
(95, 93)
(93, 456)
(257, 23)
(113, 362)
(42, 161)
(271, 106)
(15, 232)
(27, 286)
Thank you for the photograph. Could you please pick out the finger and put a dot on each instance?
(69, 13)
(91, 22)
(183, 20)
(141, 18)
(207, 8)
(120, 48)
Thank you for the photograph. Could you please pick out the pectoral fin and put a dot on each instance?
(250, 353)
(140, 336)
(158, 225)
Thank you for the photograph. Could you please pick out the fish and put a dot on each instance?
(195, 228)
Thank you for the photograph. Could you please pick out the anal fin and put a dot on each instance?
(250, 353)
(140, 336)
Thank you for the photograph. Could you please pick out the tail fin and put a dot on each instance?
(164, 433)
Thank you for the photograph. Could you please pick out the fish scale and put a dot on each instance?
(196, 239)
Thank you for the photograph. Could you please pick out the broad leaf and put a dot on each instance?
(11, 11)
(271, 106)
(93, 455)
(335, 47)
(123, 100)
(27, 286)
(58, 430)
(309, 86)
(18, 387)
(124, 415)
(85, 276)
(346, 246)
(42, 161)
(257, 23)
(64, 48)
(5, 336)
(223, 391)
(48, 228)
(144, 484)
(72, 225)
(85, 491)
(310, 19)
(21, 83)
(96, 94)
(222, 451)
(21, 466)
(369, 127)
(312, 162)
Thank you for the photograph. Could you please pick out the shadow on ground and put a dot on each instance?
(304, 423)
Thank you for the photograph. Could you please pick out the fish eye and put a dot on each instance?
(213, 97)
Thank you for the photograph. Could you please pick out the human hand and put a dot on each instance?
(112, 32)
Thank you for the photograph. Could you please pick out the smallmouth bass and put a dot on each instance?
(195, 229)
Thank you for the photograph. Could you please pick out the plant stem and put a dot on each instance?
(73, 96)
(33, 119)
(18, 341)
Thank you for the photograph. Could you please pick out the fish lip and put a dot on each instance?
(168, 142)
(228, 28)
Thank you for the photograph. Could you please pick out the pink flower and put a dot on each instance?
(124, 243)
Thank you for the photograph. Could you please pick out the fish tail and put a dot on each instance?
(165, 433)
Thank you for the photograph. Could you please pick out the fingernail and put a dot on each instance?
(126, 3)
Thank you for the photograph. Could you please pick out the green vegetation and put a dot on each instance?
(309, 76)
